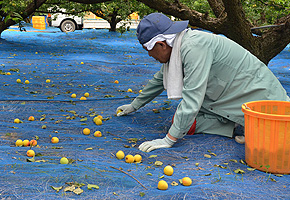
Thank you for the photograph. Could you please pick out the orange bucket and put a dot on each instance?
(267, 135)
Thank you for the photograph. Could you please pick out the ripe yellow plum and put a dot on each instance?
(162, 185)
(137, 158)
(186, 181)
(30, 153)
(129, 159)
(86, 131)
(26, 143)
(98, 134)
(168, 170)
(54, 140)
(19, 143)
(63, 160)
(120, 155)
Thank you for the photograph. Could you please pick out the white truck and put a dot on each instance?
(69, 23)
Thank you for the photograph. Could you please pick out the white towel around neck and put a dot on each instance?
(173, 72)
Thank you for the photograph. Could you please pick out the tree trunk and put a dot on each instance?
(113, 26)
(113, 20)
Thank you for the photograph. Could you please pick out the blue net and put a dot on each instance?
(91, 61)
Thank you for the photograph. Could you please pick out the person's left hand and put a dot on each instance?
(148, 146)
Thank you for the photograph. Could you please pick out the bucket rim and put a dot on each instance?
(265, 115)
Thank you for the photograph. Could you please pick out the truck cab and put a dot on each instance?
(70, 23)
(66, 23)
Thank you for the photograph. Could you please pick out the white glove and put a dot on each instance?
(148, 146)
(125, 110)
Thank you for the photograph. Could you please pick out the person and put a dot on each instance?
(211, 74)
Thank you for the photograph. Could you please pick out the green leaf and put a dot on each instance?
(78, 191)
(91, 186)
(41, 161)
(278, 175)
(158, 163)
(207, 156)
(156, 111)
(239, 171)
(220, 166)
(114, 193)
(69, 188)
(56, 147)
(30, 159)
(273, 179)
(84, 119)
(142, 194)
(57, 189)
(241, 161)
(133, 140)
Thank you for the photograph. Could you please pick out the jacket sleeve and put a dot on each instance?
(197, 61)
(153, 88)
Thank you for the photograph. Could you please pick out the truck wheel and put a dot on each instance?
(67, 26)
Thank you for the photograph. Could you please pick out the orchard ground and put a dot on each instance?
(91, 61)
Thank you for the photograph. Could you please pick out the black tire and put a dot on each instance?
(67, 26)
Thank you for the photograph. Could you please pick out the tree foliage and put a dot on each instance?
(113, 11)
(261, 12)
(258, 12)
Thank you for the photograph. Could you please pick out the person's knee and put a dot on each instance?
(212, 124)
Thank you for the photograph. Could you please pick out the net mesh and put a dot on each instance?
(90, 61)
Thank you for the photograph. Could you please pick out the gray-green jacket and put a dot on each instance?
(219, 76)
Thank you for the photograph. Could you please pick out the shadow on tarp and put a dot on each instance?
(90, 61)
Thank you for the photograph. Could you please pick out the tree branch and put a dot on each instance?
(129, 175)
(217, 7)
(272, 4)
(183, 12)
(90, 1)
(276, 37)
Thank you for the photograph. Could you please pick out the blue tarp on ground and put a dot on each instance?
(90, 61)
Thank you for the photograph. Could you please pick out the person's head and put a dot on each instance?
(153, 31)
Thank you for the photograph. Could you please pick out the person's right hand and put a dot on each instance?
(125, 110)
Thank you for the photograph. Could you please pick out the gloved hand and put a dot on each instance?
(148, 146)
(125, 110)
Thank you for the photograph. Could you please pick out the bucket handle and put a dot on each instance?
(246, 107)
